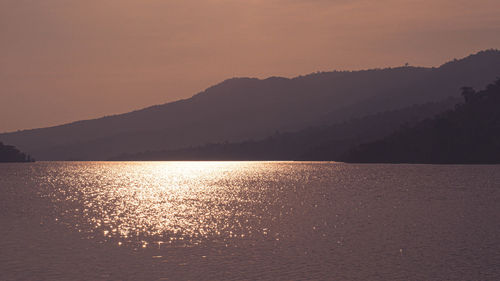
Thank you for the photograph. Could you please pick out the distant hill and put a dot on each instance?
(246, 108)
(314, 143)
(469, 134)
(9, 153)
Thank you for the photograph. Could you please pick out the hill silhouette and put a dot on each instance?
(246, 108)
(314, 143)
(468, 134)
(9, 153)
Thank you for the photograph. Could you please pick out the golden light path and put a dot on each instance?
(171, 202)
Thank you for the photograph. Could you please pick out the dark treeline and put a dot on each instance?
(315, 143)
(9, 153)
(468, 134)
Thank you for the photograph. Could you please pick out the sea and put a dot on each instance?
(248, 221)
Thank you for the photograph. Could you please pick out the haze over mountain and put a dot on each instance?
(311, 144)
(244, 108)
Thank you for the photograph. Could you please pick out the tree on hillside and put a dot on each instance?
(9, 153)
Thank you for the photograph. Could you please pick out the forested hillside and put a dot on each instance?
(468, 134)
(314, 143)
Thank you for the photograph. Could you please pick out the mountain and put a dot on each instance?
(9, 153)
(246, 108)
(314, 143)
(469, 134)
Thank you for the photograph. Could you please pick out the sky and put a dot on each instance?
(67, 60)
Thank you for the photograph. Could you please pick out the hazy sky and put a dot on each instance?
(65, 60)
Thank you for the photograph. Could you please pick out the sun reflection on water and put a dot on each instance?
(164, 202)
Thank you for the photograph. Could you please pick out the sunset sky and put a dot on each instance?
(66, 60)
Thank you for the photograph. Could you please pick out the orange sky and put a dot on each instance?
(63, 60)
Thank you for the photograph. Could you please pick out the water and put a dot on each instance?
(248, 221)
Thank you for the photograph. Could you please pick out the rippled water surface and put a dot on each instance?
(249, 220)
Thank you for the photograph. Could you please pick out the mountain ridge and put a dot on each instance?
(242, 108)
(248, 78)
